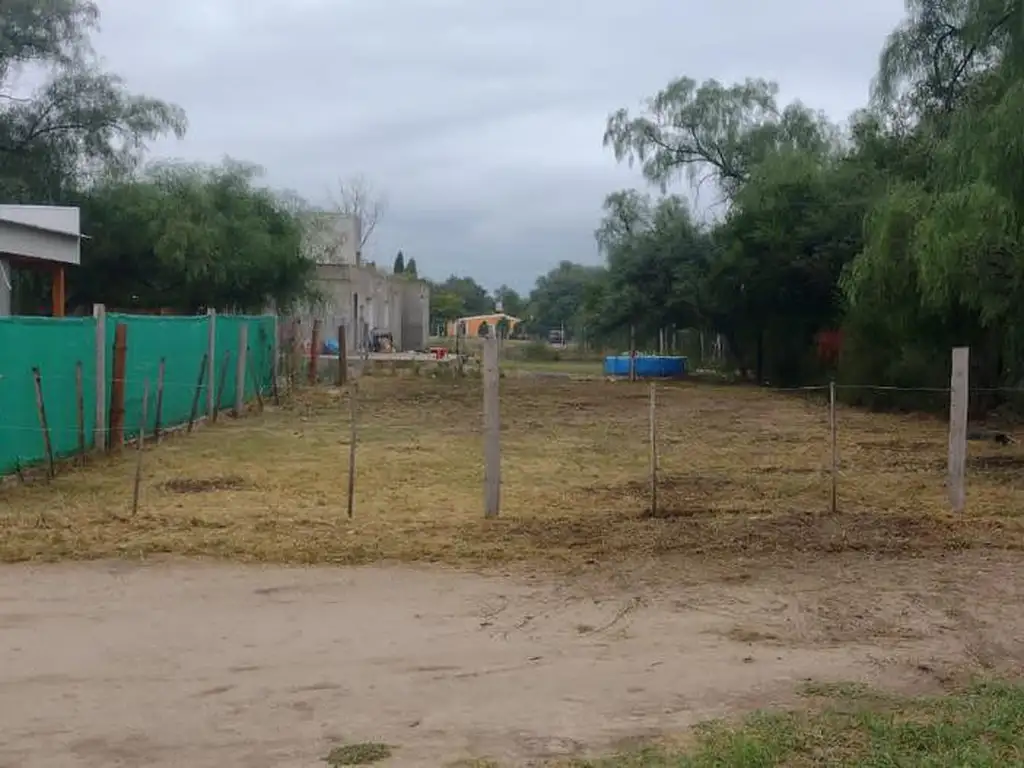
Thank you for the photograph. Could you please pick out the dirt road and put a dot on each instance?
(216, 666)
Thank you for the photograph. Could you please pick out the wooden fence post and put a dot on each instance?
(275, 364)
(203, 368)
(140, 444)
(833, 445)
(219, 395)
(211, 361)
(653, 436)
(116, 438)
(958, 390)
(314, 352)
(353, 393)
(44, 425)
(243, 347)
(99, 313)
(342, 357)
(159, 398)
(492, 427)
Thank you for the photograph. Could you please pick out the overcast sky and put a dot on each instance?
(480, 120)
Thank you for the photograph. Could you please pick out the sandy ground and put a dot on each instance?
(174, 664)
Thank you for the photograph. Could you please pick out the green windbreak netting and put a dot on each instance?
(181, 342)
(55, 346)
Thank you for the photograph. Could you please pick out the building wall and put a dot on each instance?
(365, 300)
(359, 296)
(333, 238)
(415, 314)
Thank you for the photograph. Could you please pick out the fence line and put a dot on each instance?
(957, 433)
(92, 391)
(170, 363)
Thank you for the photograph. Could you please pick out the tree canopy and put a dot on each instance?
(174, 236)
(900, 230)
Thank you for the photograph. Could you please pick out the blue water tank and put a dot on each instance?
(647, 366)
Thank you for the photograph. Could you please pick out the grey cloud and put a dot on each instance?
(481, 120)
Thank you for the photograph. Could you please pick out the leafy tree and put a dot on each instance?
(81, 122)
(189, 237)
(410, 268)
(399, 266)
(511, 302)
(713, 133)
(556, 300)
(474, 297)
(445, 307)
(904, 230)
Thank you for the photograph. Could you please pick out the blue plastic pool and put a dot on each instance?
(647, 367)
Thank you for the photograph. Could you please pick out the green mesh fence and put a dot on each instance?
(181, 342)
(56, 345)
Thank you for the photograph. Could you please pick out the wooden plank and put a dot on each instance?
(116, 440)
(57, 298)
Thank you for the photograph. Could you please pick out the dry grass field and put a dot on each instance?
(742, 471)
(596, 626)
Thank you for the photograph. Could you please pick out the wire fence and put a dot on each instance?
(423, 445)
(802, 450)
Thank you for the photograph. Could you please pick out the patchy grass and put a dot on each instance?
(980, 726)
(742, 471)
(588, 368)
(366, 753)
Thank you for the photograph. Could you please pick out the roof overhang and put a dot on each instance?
(40, 235)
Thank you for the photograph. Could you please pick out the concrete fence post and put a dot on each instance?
(99, 313)
(211, 362)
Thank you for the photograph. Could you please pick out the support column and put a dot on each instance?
(57, 297)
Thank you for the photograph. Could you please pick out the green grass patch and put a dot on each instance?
(366, 753)
(578, 367)
(980, 726)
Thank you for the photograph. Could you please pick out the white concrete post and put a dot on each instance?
(958, 389)
(492, 427)
(99, 313)
(6, 288)
(211, 363)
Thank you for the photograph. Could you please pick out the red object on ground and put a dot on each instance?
(439, 353)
